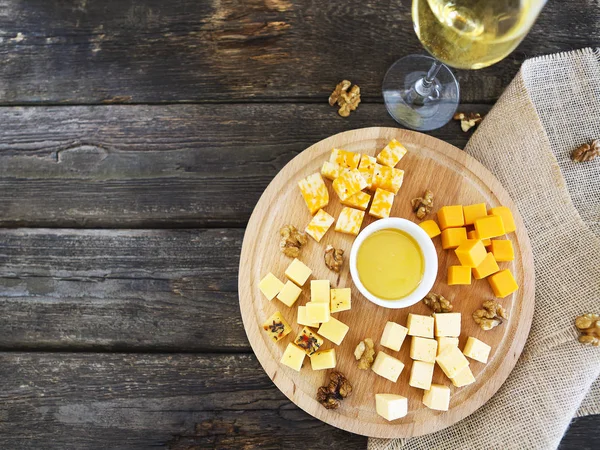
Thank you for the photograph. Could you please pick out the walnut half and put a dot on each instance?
(468, 120)
(490, 316)
(589, 327)
(423, 205)
(347, 100)
(338, 389)
(438, 303)
(291, 241)
(586, 152)
(364, 353)
(334, 258)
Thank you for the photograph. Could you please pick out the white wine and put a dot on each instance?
(471, 34)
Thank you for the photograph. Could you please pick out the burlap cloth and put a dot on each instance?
(551, 107)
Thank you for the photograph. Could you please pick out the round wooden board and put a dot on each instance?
(455, 178)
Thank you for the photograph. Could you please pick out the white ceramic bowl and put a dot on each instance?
(429, 257)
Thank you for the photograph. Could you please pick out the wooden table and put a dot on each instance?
(135, 139)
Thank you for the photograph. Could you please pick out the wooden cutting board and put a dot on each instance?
(455, 178)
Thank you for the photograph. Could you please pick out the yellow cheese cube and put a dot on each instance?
(451, 217)
(391, 406)
(331, 170)
(344, 158)
(463, 378)
(477, 350)
(387, 366)
(431, 228)
(451, 361)
(437, 397)
(302, 320)
(447, 324)
(293, 357)
(423, 349)
(507, 218)
(503, 250)
(420, 325)
(349, 183)
(334, 330)
(387, 178)
(349, 221)
(444, 341)
(382, 204)
(421, 374)
(308, 340)
(367, 168)
(289, 293)
(298, 272)
(314, 191)
(489, 227)
(471, 253)
(277, 327)
(503, 283)
(472, 212)
(487, 267)
(340, 300)
(453, 237)
(360, 200)
(317, 312)
(318, 226)
(319, 291)
(325, 359)
(270, 286)
(393, 336)
(473, 235)
(391, 154)
(459, 275)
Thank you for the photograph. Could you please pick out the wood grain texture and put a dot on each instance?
(458, 179)
(115, 51)
(158, 166)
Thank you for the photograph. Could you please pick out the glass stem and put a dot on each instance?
(425, 89)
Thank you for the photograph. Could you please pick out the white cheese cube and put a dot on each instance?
(289, 294)
(393, 336)
(387, 366)
(447, 324)
(325, 359)
(444, 342)
(437, 397)
(421, 374)
(391, 406)
(463, 378)
(420, 325)
(298, 272)
(317, 312)
(302, 320)
(319, 291)
(270, 286)
(477, 350)
(334, 330)
(340, 300)
(423, 349)
(293, 357)
(452, 361)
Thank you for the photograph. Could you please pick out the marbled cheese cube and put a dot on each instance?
(334, 330)
(387, 178)
(319, 291)
(447, 324)
(349, 221)
(277, 327)
(391, 154)
(331, 170)
(317, 312)
(308, 340)
(451, 361)
(391, 406)
(393, 336)
(318, 226)
(325, 359)
(293, 357)
(382, 204)
(344, 158)
(298, 272)
(421, 374)
(360, 200)
(314, 191)
(420, 325)
(302, 319)
(289, 293)
(387, 366)
(463, 378)
(348, 184)
(444, 342)
(437, 397)
(423, 349)
(340, 300)
(367, 168)
(477, 350)
(270, 286)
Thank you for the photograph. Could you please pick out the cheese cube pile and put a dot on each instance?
(314, 191)
(318, 226)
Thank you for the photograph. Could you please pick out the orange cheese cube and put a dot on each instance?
(473, 235)
(314, 191)
(349, 183)
(318, 226)
(391, 153)
(451, 217)
(489, 227)
(507, 218)
(344, 158)
(387, 178)
(360, 200)
(502, 250)
(453, 237)
(503, 283)
(382, 204)
(431, 228)
(366, 167)
(471, 252)
(487, 267)
(472, 212)
(331, 170)
(349, 221)
(459, 275)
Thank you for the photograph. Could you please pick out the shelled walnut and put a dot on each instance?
(291, 241)
(348, 101)
(364, 353)
(423, 205)
(589, 327)
(586, 152)
(438, 303)
(468, 120)
(337, 390)
(334, 258)
(490, 316)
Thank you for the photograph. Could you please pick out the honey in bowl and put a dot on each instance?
(390, 264)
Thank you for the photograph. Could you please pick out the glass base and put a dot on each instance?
(412, 105)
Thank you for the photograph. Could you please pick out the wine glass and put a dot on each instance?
(420, 92)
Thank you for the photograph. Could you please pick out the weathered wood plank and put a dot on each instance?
(158, 166)
(582, 434)
(91, 51)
